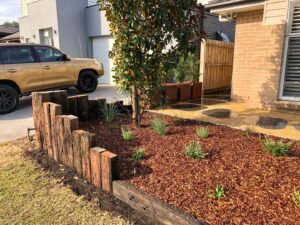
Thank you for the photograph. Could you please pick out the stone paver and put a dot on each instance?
(241, 116)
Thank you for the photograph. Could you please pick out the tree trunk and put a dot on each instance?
(135, 106)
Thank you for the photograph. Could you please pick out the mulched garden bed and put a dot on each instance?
(259, 187)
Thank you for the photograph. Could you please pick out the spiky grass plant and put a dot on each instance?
(159, 126)
(194, 150)
(109, 113)
(127, 135)
(218, 193)
(275, 148)
(139, 154)
(202, 132)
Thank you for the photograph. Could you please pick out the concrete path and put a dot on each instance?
(15, 124)
(241, 116)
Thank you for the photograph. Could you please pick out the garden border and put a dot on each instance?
(58, 134)
(151, 206)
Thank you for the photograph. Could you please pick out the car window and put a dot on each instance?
(17, 54)
(47, 54)
(1, 56)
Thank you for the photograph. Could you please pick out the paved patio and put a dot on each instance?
(240, 116)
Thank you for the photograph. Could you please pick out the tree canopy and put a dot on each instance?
(11, 23)
(150, 36)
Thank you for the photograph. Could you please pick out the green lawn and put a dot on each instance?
(30, 196)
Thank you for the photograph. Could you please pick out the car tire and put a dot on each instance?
(9, 99)
(87, 81)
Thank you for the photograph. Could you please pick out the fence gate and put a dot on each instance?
(216, 65)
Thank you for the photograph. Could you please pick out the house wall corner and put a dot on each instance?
(257, 60)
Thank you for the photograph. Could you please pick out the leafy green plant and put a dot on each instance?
(297, 197)
(139, 154)
(127, 135)
(202, 132)
(218, 193)
(143, 32)
(109, 113)
(159, 126)
(194, 150)
(275, 148)
(187, 69)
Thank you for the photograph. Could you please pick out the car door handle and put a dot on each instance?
(47, 67)
(12, 70)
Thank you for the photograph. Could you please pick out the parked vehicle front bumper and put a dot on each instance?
(100, 72)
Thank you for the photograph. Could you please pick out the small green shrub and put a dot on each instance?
(218, 193)
(159, 126)
(297, 197)
(275, 148)
(194, 150)
(127, 135)
(202, 132)
(109, 112)
(187, 69)
(139, 154)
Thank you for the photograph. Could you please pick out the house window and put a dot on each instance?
(46, 36)
(291, 76)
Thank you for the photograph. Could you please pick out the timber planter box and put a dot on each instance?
(156, 97)
(185, 91)
(171, 93)
(196, 90)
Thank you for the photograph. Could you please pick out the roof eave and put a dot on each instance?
(244, 6)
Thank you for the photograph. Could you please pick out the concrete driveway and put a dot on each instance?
(15, 124)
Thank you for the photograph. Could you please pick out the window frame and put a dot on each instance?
(46, 46)
(288, 35)
(4, 51)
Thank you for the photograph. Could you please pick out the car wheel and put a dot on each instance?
(9, 99)
(87, 81)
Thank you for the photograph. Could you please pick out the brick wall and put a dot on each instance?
(257, 60)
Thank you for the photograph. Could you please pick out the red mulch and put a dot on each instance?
(259, 187)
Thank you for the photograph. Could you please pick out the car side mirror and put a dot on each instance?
(65, 57)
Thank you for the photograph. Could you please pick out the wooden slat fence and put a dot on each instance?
(216, 65)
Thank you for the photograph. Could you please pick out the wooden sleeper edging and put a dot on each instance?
(96, 166)
(151, 206)
(109, 170)
(59, 136)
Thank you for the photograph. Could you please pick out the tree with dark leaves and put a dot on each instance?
(150, 35)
